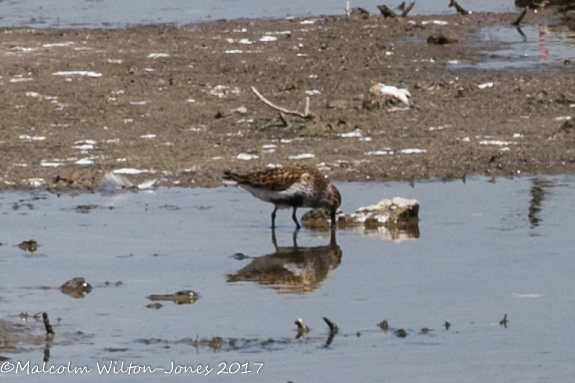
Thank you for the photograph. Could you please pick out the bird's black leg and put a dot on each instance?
(274, 238)
(293, 216)
(274, 217)
(333, 218)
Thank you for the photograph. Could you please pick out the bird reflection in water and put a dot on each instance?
(292, 269)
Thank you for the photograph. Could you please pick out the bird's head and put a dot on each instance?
(332, 201)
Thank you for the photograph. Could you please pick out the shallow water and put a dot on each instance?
(485, 249)
(507, 47)
(121, 13)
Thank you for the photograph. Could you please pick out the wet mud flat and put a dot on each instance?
(177, 102)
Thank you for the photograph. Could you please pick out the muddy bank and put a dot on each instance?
(175, 103)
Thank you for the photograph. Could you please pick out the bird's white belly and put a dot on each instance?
(276, 197)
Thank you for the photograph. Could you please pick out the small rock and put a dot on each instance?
(76, 287)
(312, 130)
(443, 39)
(30, 245)
(568, 126)
(398, 212)
(336, 104)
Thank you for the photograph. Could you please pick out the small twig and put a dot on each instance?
(363, 11)
(332, 326)
(49, 331)
(307, 115)
(407, 9)
(459, 8)
(503, 322)
(283, 120)
(385, 11)
(306, 109)
(384, 325)
(521, 16)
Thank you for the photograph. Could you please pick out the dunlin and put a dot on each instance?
(289, 186)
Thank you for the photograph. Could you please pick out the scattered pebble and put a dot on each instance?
(58, 44)
(84, 161)
(355, 133)
(485, 85)
(36, 182)
(20, 79)
(389, 91)
(268, 38)
(157, 55)
(378, 153)
(130, 171)
(412, 151)
(77, 73)
(31, 138)
(497, 143)
(246, 156)
(302, 156)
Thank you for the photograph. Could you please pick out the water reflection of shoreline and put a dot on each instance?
(292, 269)
(526, 3)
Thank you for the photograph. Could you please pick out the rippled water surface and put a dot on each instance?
(485, 249)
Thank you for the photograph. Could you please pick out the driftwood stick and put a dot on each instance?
(406, 9)
(521, 16)
(306, 115)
